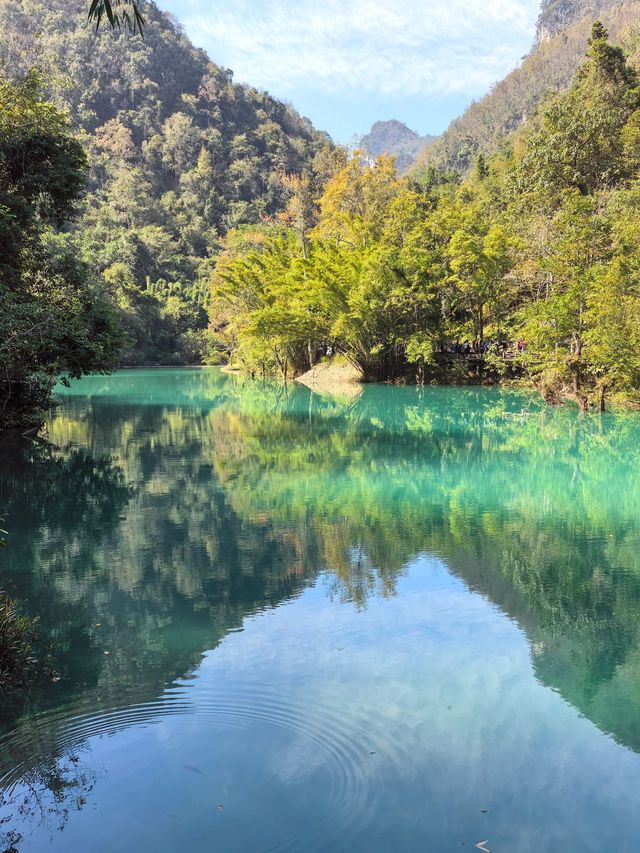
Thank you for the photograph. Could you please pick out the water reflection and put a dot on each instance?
(171, 507)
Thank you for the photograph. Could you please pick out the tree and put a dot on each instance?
(580, 143)
(536, 246)
(355, 200)
(177, 153)
(300, 212)
(54, 320)
(478, 264)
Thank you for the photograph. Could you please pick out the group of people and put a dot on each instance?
(480, 348)
(468, 348)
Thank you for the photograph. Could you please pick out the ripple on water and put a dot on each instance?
(346, 786)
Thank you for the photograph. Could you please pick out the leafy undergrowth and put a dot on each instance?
(22, 661)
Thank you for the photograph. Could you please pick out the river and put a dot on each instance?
(387, 619)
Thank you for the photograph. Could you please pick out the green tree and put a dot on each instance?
(580, 143)
(479, 263)
(54, 320)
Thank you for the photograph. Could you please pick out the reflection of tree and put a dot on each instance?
(49, 789)
(133, 598)
(69, 482)
(536, 509)
(57, 502)
(241, 494)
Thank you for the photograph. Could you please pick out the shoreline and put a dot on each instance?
(344, 379)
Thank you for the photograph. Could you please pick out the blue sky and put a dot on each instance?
(348, 63)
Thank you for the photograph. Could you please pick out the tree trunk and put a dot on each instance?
(601, 393)
(581, 397)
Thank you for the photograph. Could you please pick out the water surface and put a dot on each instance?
(401, 619)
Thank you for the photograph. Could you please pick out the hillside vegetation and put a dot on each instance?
(563, 30)
(177, 154)
(152, 211)
(528, 268)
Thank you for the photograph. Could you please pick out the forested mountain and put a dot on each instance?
(217, 221)
(177, 152)
(395, 138)
(563, 30)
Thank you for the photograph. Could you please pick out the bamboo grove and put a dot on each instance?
(527, 268)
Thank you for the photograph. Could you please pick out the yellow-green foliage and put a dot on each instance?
(537, 246)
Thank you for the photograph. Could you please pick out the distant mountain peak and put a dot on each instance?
(394, 126)
(395, 138)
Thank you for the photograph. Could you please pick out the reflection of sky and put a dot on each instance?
(283, 717)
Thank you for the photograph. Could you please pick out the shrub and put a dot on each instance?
(20, 663)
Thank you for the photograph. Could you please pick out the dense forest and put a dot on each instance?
(528, 267)
(167, 155)
(173, 216)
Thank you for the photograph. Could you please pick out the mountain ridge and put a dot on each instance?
(561, 37)
(394, 137)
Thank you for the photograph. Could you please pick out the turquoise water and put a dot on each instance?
(394, 619)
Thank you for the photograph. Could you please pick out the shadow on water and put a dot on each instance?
(172, 505)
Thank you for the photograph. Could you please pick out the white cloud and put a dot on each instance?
(440, 48)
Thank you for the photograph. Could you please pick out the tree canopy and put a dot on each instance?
(54, 318)
(527, 266)
(178, 154)
(193, 219)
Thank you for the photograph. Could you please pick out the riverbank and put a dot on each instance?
(338, 378)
